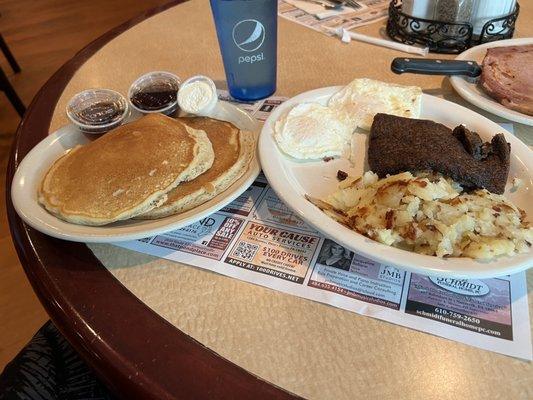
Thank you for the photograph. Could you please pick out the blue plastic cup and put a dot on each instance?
(247, 35)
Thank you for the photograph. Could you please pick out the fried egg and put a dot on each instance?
(313, 131)
(363, 98)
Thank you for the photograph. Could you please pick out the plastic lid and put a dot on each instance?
(155, 92)
(97, 110)
(205, 106)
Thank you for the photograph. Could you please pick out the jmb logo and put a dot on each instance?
(390, 274)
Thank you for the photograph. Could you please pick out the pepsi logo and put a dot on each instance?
(248, 34)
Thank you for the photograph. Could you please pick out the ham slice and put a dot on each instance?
(508, 76)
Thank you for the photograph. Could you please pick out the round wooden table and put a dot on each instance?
(161, 330)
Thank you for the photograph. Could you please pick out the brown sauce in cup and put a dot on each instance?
(153, 99)
(100, 113)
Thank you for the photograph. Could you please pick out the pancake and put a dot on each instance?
(233, 149)
(126, 172)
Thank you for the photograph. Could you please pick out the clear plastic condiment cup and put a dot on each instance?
(158, 80)
(97, 111)
(210, 106)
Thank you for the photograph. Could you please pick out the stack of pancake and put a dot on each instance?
(150, 168)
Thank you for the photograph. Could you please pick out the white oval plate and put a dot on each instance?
(33, 167)
(473, 93)
(292, 179)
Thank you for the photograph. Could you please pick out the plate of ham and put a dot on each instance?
(507, 91)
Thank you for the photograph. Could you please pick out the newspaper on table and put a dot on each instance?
(355, 14)
(258, 239)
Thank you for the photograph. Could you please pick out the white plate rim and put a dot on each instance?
(145, 228)
(465, 90)
(271, 157)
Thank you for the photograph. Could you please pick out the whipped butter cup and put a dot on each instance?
(155, 92)
(198, 95)
(97, 111)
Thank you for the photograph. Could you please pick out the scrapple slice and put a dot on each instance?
(400, 144)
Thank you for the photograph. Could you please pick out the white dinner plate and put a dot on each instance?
(473, 93)
(33, 167)
(292, 179)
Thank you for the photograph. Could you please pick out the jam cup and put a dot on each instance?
(155, 92)
(97, 111)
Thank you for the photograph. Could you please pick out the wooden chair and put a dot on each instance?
(5, 85)
(8, 55)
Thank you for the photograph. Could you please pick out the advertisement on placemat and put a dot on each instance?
(210, 237)
(342, 271)
(273, 251)
(483, 306)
